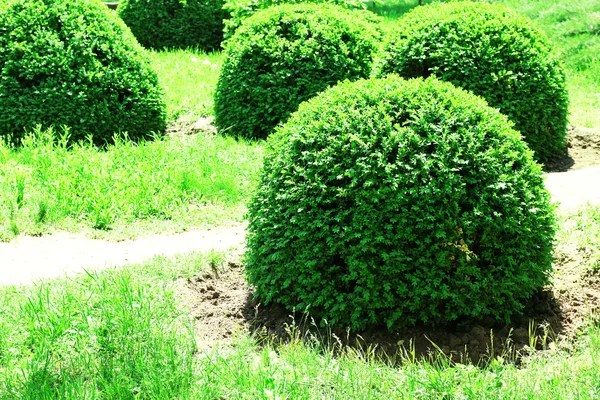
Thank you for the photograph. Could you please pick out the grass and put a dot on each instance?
(304, 371)
(169, 184)
(189, 79)
(574, 28)
(115, 335)
(581, 230)
(123, 333)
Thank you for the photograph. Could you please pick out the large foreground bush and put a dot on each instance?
(73, 63)
(399, 202)
(495, 53)
(283, 56)
(160, 24)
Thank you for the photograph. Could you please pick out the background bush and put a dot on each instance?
(399, 202)
(284, 55)
(493, 52)
(242, 9)
(161, 24)
(74, 63)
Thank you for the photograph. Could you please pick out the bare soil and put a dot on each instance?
(574, 179)
(583, 151)
(222, 303)
(190, 126)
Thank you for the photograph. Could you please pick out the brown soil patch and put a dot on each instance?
(583, 150)
(221, 303)
(190, 126)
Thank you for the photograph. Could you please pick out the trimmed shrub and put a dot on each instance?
(242, 9)
(161, 24)
(283, 56)
(393, 202)
(493, 52)
(74, 63)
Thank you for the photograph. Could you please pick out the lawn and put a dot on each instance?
(126, 333)
(574, 29)
(170, 184)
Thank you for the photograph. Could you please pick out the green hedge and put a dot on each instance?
(284, 55)
(393, 202)
(74, 63)
(493, 52)
(162, 24)
(242, 9)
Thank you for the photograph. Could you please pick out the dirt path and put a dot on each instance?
(575, 188)
(29, 258)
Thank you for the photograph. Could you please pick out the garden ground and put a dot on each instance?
(221, 301)
(174, 326)
(572, 181)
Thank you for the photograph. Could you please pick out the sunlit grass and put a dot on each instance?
(116, 335)
(182, 181)
(124, 334)
(574, 28)
(580, 230)
(189, 78)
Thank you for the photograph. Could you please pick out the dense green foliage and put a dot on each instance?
(74, 63)
(160, 24)
(242, 9)
(285, 55)
(399, 202)
(493, 52)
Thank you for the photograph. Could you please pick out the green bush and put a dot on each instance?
(161, 24)
(74, 63)
(242, 9)
(399, 202)
(283, 56)
(493, 52)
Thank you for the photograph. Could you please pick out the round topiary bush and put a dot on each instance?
(161, 24)
(393, 202)
(74, 63)
(242, 9)
(283, 56)
(493, 52)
